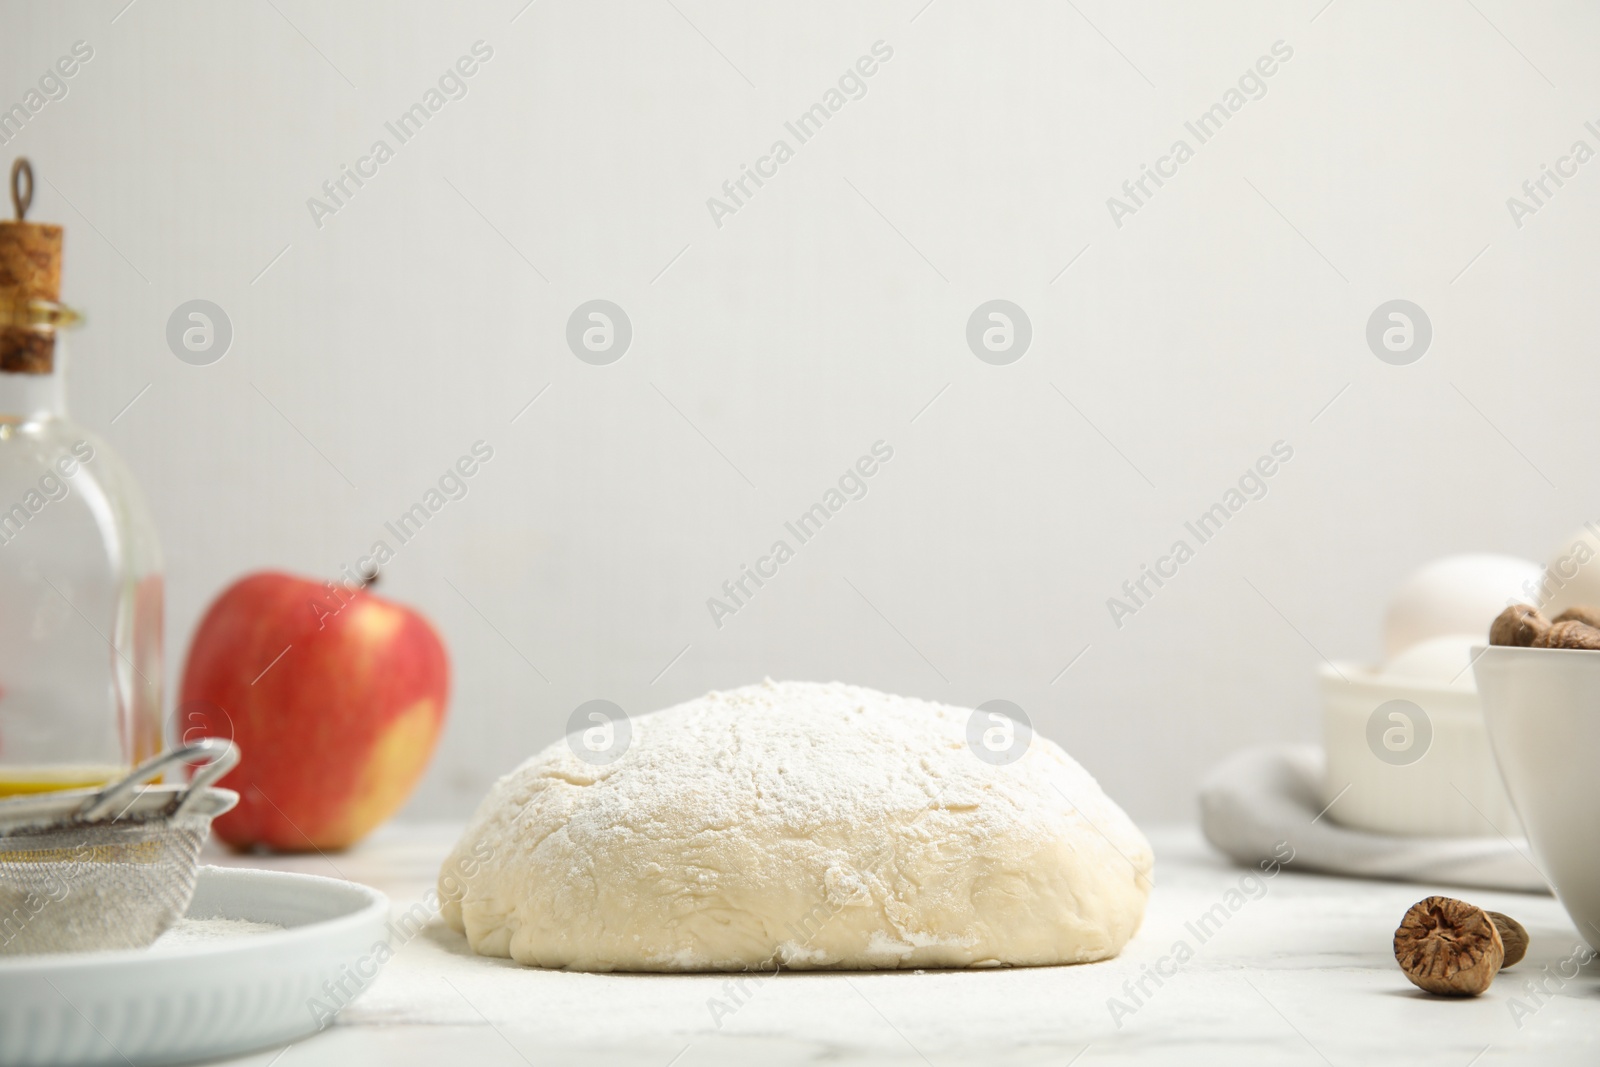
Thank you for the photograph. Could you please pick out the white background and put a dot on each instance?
(1223, 316)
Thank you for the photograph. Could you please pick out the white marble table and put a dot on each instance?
(1292, 969)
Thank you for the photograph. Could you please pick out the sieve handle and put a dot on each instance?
(215, 756)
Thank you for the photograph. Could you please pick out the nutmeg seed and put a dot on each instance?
(1519, 624)
(1580, 613)
(1569, 634)
(1512, 934)
(1449, 947)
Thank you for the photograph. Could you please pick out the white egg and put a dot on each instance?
(1573, 576)
(1445, 661)
(1457, 595)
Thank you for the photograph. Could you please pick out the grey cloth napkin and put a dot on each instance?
(1270, 794)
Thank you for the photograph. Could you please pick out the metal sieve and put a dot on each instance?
(110, 868)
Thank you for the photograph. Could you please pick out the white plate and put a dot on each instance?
(205, 998)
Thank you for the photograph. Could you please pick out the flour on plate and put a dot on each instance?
(187, 933)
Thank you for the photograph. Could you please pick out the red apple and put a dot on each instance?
(335, 697)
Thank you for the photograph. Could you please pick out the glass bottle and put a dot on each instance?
(81, 594)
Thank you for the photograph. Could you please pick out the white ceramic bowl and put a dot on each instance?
(1450, 789)
(205, 1000)
(1543, 710)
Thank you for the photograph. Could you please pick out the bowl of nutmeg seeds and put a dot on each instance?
(1539, 680)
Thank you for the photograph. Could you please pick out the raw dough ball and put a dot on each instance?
(807, 825)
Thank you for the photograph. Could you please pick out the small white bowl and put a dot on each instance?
(1435, 776)
(1543, 710)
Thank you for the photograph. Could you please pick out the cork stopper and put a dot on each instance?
(30, 270)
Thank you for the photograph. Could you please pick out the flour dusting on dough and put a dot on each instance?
(818, 826)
